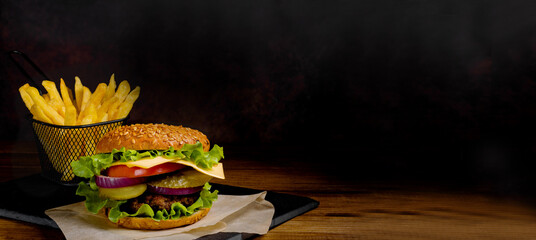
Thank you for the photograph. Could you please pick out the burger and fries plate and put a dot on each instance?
(141, 176)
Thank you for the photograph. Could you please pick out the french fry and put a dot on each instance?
(70, 115)
(98, 95)
(71, 96)
(40, 102)
(65, 94)
(70, 109)
(51, 89)
(122, 91)
(26, 85)
(110, 91)
(104, 118)
(90, 115)
(114, 107)
(57, 105)
(55, 99)
(94, 100)
(126, 106)
(104, 107)
(46, 97)
(78, 93)
(85, 98)
(25, 97)
(38, 114)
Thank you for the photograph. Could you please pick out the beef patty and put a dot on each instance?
(158, 202)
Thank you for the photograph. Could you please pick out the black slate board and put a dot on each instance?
(26, 199)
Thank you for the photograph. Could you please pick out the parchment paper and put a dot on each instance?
(247, 214)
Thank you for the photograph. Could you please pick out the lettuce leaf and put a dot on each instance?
(87, 167)
(94, 203)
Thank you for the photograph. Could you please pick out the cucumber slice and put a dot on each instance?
(123, 193)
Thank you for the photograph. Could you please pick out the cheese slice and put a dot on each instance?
(216, 171)
(145, 163)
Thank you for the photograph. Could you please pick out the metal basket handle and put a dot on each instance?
(23, 71)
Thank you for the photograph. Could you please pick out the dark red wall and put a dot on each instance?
(454, 78)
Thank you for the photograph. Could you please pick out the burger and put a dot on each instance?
(150, 176)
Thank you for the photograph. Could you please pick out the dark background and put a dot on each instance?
(426, 90)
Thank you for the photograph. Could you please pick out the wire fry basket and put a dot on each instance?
(58, 146)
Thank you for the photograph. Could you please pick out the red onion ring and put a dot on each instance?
(117, 182)
(173, 191)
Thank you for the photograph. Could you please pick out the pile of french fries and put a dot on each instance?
(62, 108)
(64, 145)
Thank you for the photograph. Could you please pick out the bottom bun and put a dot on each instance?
(151, 224)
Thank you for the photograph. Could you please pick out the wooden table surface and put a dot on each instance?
(348, 208)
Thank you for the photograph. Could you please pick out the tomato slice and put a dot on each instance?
(131, 172)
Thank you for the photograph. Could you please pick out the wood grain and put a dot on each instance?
(349, 209)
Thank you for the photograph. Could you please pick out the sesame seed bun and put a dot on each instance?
(150, 137)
